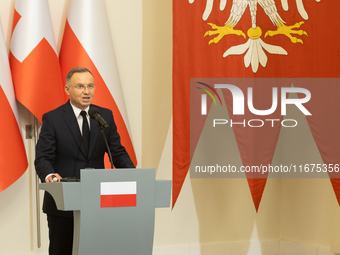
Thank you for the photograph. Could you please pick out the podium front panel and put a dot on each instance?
(108, 225)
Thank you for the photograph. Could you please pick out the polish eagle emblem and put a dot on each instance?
(255, 46)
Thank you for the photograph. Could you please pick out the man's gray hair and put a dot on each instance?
(76, 70)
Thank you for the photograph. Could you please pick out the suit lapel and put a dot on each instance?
(72, 123)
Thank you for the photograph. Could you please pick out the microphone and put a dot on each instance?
(94, 114)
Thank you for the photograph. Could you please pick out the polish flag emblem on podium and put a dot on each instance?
(118, 194)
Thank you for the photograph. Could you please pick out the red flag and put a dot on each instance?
(13, 160)
(261, 47)
(33, 58)
(87, 43)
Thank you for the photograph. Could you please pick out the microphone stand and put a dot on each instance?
(101, 129)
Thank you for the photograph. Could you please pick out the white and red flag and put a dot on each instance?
(13, 160)
(118, 194)
(33, 58)
(87, 43)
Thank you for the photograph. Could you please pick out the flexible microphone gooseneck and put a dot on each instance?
(94, 114)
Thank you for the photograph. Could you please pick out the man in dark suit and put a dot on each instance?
(69, 141)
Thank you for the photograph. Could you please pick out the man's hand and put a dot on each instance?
(53, 178)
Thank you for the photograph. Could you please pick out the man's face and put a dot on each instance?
(79, 96)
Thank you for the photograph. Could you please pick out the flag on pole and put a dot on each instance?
(87, 43)
(118, 194)
(33, 58)
(13, 160)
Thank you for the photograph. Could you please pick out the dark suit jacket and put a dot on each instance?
(60, 150)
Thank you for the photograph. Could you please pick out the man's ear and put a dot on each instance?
(67, 90)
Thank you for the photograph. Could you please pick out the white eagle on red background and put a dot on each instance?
(255, 45)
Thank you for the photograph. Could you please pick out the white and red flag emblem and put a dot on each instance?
(118, 194)
(87, 43)
(33, 58)
(13, 160)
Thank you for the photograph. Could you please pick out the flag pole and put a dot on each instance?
(37, 188)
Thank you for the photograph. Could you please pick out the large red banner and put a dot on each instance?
(262, 45)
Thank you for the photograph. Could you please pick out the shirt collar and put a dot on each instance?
(77, 111)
